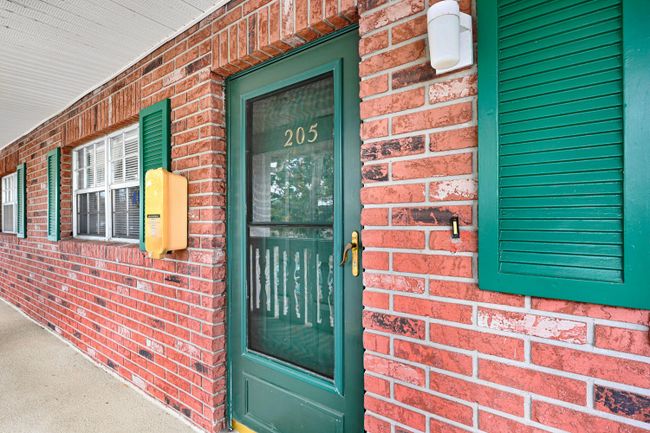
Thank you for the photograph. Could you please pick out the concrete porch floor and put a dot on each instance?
(48, 387)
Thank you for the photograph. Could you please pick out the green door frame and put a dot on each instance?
(348, 379)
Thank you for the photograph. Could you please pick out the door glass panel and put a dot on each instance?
(290, 225)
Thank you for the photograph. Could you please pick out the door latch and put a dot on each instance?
(353, 248)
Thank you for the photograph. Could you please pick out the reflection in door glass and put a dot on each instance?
(290, 236)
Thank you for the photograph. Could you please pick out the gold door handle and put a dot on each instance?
(352, 247)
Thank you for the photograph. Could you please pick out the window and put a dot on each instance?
(9, 203)
(106, 187)
(563, 185)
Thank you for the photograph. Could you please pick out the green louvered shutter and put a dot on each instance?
(53, 194)
(154, 146)
(563, 149)
(21, 202)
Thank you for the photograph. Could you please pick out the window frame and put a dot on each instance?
(633, 291)
(14, 203)
(108, 187)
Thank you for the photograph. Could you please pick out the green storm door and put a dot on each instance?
(294, 329)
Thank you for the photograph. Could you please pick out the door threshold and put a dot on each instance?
(240, 428)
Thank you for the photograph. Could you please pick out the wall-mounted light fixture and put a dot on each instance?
(450, 37)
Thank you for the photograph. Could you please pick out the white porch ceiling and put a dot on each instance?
(54, 51)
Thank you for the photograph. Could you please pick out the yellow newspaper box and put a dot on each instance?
(165, 212)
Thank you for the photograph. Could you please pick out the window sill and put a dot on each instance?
(120, 252)
(103, 242)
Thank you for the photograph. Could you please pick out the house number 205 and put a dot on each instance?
(299, 134)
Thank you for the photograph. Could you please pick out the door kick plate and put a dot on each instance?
(240, 428)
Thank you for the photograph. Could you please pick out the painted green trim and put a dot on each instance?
(346, 109)
(488, 141)
(636, 58)
(231, 178)
(162, 108)
(21, 186)
(286, 368)
(634, 290)
(53, 187)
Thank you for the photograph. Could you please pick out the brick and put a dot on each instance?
(394, 369)
(393, 238)
(287, 26)
(577, 422)
(393, 282)
(491, 423)
(375, 42)
(474, 393)
(253, 5)
(374, 217)
(367, 5)
(434, 404)
(491, 344)
(449, 90)
(375, 385)
(471, 292)
(412, 75)
(641, 317)
(453, 189)
(374, 260)
(392, 148)
(393, 194)
(408, 417)
(374, 173)
(635, 373)
(623, 340)
(316, 12)
(437, 426)
(536, 382)
(374, 129)
(274, 23)
(376, 343)
(531, 324)
(390, 14)
(409, 29)
(442, 241)
(375, 425)
(375, 299)
(392, 103)
(373, 86)
(393, 324)
(433, 357)
(622, 403)
(448, 165)
(461, 138)
(433, 118)
(263, 22)
(433, 309)
(390, 59)
(433, 264)
(431, 216)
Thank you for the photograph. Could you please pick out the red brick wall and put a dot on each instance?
(157, 323)
(443, 356)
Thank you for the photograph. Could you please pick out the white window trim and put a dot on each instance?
(14, 202)
(107, 188)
